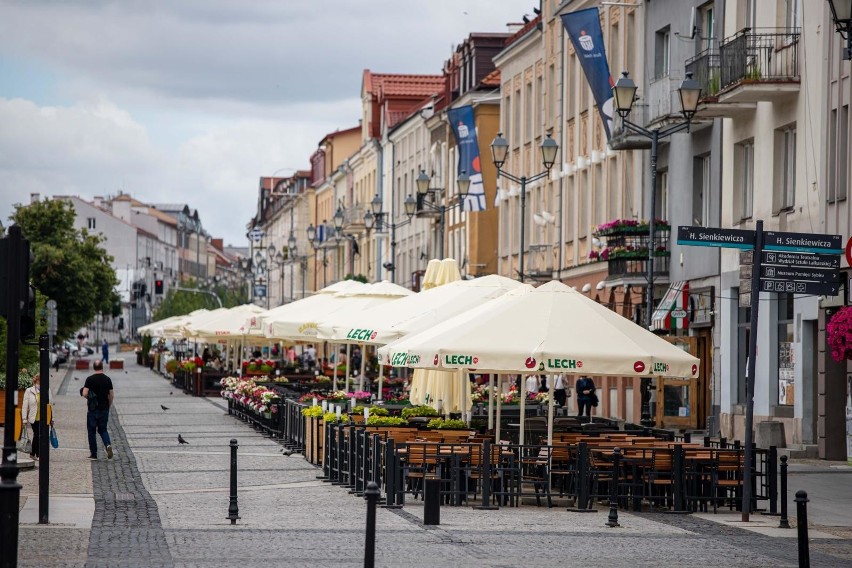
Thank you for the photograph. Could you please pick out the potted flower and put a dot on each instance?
(839, 334)
(421, 411)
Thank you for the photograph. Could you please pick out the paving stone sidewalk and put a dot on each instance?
(159, 503)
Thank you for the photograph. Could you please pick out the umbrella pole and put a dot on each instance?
(363, 366)
(381, 373)
(334, 385)
(499, 406)
(550, 413)
(521, 438)
(348, 354)
(491, 402)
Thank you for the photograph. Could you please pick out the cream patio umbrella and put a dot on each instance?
(552, 329)
(223, 325)
(302, 325)
(155, 328)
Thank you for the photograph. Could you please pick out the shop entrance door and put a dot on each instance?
(678, 400)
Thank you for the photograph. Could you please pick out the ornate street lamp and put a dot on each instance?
(841, 14)
(499, 152)
(624, 94)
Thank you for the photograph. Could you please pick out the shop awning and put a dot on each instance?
(671, 312)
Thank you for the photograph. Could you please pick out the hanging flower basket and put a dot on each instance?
(839, 332)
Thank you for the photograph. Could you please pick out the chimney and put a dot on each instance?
(34, 198)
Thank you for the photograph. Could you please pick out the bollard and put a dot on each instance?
(612, 520)
(233, 508)
(802, 526)
(431, 501)
(687, 437)
(486, 478)
(772, 474)
(371, 494)
(784, 523)
(583, 504)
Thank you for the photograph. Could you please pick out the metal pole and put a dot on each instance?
(233, 507)
(784, 523)
(372, 497)
(612, 519)
(752, 360)
(43, 441)
(645, 382)
(10, 489)
(523, 221)
(802, 526)
(443, 230)
(393, 252)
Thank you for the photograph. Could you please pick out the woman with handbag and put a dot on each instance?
(31, 412)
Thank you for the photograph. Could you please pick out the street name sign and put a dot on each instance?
(803, 242)
(710, 237)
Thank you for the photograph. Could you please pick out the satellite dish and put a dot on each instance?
(539, 220)
(587, 288)
(548, 216)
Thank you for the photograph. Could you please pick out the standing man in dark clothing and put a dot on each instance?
(98, 392)
(586, 396)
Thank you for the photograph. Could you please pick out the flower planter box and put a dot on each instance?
(118, 364)
(82, 364)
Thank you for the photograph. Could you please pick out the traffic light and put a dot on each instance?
(28, 315)
(158, 287)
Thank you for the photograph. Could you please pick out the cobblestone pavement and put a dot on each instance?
(163, 504)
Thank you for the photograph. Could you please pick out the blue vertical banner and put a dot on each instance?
(464, 129)
(584, 30)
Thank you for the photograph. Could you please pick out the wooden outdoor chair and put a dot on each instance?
(420, 462)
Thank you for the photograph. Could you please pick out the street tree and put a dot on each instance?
(69, 265)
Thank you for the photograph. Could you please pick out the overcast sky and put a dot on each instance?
(193, 100)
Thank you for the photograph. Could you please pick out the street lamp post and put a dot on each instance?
(624, 93)
(423, 189)
(841, 14)
(316, 244)
(376, 218)
(291, 255)
(499, 152)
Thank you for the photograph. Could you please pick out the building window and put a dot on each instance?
(528, 112)
(744, 174)
(784, 188)
(600, 196)
(507, 119)
(613, 184)
(516, 126)
(701, 191)
(90, 223)
(708, 27)
(662, 211)
(568, 210)
(662, 52)
(743, 333)
(750, 13)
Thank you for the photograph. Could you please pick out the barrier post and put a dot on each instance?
(802, 526)
(233, 507)
(612, 519)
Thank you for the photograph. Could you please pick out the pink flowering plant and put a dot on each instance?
(627, 226)
(839, 331)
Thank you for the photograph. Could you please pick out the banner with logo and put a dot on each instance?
(464, 129)
(584, 30)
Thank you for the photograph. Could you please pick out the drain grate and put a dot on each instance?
(125, 497)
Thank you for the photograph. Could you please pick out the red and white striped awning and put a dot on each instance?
(671, 313)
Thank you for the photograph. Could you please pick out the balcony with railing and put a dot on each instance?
(626, 249)
(754, 65)
(353, 218)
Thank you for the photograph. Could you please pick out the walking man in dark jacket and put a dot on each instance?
(98, 392)
(586, 396)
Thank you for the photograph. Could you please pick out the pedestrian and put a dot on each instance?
(98, 392)
(311, 356)
(586, 396)
(31, 412)
(356, 361)
(532, 384)
(560, 394)
(105, 351)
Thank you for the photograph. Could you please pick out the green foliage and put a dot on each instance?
(374, 410)
(331, 417)
(441, 424)
(357, 278)
(386, 421)
(419, 411)
(312, 411)
(68, 265)
(147, 342)
(28, 354)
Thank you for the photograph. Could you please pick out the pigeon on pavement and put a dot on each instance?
(164, 407)
(171, 393)
(287, 452)
(181, 440)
